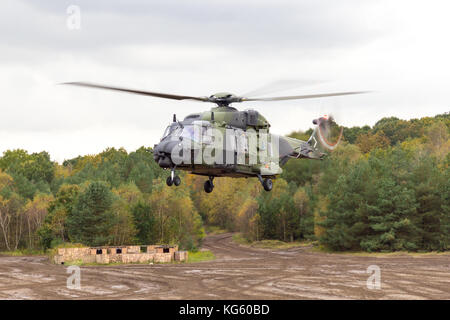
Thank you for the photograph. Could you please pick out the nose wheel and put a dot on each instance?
(173, 179)
(209, 186)
(266, 183)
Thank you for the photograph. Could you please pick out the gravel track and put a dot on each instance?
(237, 273)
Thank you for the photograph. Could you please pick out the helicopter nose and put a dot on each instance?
(162, 153)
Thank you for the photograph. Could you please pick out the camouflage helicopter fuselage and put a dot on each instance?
(237, 155)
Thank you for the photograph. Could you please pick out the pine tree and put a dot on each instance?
(91, 219)
(346, 223)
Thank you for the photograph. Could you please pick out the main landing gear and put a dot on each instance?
(173, 179)
(266, 183)
(209, 186)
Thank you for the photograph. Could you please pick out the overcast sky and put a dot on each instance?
(398, 49)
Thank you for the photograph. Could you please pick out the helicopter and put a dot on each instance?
(226, 142)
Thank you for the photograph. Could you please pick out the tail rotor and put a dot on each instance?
(326, 135)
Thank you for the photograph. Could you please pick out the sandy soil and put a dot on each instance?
(237, 273)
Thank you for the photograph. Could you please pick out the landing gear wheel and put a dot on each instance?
(267, 184)
(169, 181)
(208, 186)
(176, 181)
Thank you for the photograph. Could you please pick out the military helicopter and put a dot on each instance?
(238, 143)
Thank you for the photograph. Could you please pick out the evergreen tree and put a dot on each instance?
(91, 219)
(345, 220)
(145, 223)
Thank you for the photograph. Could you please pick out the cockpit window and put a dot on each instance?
(173, 130)
(188, 132)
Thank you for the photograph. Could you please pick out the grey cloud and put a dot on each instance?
(237, 25)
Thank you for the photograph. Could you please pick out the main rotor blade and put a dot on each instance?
(141, 92)
(310, 96)
(280, 85)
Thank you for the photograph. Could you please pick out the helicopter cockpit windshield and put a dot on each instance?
(185, 131)
(172, 130)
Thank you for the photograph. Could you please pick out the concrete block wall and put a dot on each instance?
(121, 254)
(102, 258)
(72, 254)
(137, 258)
(161, 257)
(181, 255)
(133, 249)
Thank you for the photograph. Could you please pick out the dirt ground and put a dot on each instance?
(237, 273)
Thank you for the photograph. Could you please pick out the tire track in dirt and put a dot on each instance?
(237, 273)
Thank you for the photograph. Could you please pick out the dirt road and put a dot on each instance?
(237, 273)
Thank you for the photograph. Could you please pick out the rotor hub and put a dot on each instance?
(223, 99)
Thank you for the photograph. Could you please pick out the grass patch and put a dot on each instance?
(323, 249)
(212, 230)
(23, 252)
(239, 239)
(277, 244)
(269, 244)
(198, 256)
(75, 263)
(398, 253)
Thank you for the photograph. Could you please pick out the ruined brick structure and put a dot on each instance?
(121, 254)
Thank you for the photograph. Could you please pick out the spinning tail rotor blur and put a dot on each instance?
(327, 134)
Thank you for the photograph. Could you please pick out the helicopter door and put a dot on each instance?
(207, 135)
(252, 145)
(230, 147)
(242, 147)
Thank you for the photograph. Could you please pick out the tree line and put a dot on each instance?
(385, 188)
